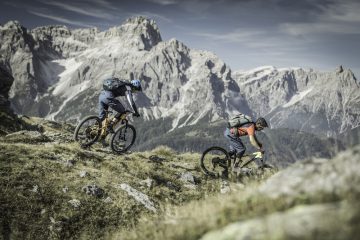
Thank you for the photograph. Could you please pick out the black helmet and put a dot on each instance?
(262, 122)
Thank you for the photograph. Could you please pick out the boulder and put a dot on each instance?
(93, 190)
(26, 136)
(138, 196)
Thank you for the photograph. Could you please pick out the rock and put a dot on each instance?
(86, 54)
(26, 137)
(70, 163)
(314, 176)
(172, 186)
(339, 69)
(108, 200)
(179, 83)
(84, 174)
(93, 190)
(59, 137)
(156, 159)
(190, 186)
(55, 226)
(138, 196)
(65, 189)
(224, 187)
(330, 221)
(147, 182)
(325, 103)
(75, 203)
(35, 189)
(246, 171)
(335, 181)
(187, 177)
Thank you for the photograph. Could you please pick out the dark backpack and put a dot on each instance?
(239, 120)
(112, 84)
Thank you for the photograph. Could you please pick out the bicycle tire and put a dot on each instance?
(206, 152)
(116, 136)
(95, 132)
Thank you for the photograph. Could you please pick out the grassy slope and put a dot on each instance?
(33, 174)
(254, 206)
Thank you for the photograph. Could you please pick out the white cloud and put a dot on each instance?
(163, 2)
(60, 19)
(102, 3)
(342, 17)
(238, 35)
(84, 9)
(343, 11)
(297, 29)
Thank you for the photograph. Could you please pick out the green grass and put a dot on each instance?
(27, 214)
(33, 204)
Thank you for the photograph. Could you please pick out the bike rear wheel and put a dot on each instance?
(88, 131)
(123, 138)
(215, 161)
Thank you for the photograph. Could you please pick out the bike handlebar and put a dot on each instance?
(258, 154)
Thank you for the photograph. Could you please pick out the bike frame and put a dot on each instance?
(256, 155)
(122, 120)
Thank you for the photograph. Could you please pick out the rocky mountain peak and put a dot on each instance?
(56, 68)
(339, 69)
(138, 32)
(323, 102)
(52, 31)
(347, 74)
(13, 33)
(12, 25)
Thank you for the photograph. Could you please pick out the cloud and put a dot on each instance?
(298, 29)
(343, 11)
(342, 17)
(59, 19)
(163, 2)
(84, 9)
(237, 35)
(102, 3)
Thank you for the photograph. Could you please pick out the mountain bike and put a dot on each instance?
(216, 161)
(91, 129)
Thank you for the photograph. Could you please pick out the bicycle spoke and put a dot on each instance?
(123, 139)
(214, 161)
(88, 131)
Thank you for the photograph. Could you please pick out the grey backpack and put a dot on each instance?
(112, 84)
(239, 120)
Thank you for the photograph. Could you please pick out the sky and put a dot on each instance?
(245, 34)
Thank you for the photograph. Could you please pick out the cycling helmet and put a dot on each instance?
(136, 83)
(262, 122)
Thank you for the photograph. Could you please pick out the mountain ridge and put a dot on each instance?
(58, 75)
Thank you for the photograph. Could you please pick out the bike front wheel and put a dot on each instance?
(88, 131)
(123, 138)
(215, 161)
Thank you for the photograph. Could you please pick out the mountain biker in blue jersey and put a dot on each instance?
(233, 136)
(114, 88)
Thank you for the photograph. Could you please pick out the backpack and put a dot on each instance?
(112, 84)
(239, 120)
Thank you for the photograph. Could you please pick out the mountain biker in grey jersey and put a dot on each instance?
(108, 99)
